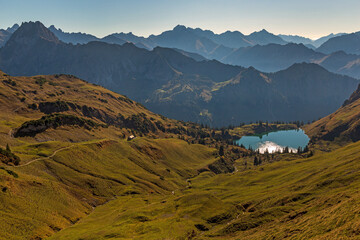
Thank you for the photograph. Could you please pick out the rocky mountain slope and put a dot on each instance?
(6, 33)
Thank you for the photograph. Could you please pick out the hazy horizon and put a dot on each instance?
(306, 18)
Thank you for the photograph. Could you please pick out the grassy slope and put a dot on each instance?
(53, 193)
(314, 198)
(65, 173)
(338, 128)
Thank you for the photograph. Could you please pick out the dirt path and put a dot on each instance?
(43, 158)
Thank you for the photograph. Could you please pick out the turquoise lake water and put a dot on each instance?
(275, 141)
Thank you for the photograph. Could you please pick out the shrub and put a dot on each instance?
(103, 100)
(10, 82)
(7, 157)
(40, 80)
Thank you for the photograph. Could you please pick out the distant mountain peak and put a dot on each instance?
(233, 33)
(52, 27)
(129, 45)
(30, 31)
(179, 28)
(339, 53)
(13, 28)
(261, 32)
(130, 34)
(306, 67)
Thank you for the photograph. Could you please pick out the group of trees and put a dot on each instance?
(33, 127)
(259, 122)
(257, 161)
(266, 156)
(7, 157)
(286, 149)
(267, 123)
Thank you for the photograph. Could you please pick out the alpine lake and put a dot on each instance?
(276, 141)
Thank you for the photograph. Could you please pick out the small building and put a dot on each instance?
(131, 137)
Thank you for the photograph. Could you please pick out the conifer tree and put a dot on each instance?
(256, 161)
(221, 150)
(8, 148)
(306, 148)
(286, 149)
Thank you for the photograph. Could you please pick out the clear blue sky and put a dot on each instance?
(310, 18)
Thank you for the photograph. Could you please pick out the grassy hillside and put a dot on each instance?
(340, 127)
(311, 198)
(52, 193)
(71, 140)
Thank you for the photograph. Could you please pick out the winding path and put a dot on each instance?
(43, 158)
(11, 133)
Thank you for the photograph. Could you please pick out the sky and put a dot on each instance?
(309, 18)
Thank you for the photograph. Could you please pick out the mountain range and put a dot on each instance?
(258, 49)
(262, 50)
(307, 41)
(228, 39)
(172, 83)
(275, 57)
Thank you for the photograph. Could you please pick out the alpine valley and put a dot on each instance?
(130, 137)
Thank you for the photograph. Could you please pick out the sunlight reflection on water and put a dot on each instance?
(273, 147)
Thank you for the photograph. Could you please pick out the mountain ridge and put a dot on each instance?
(348, 43)
(227, 47)
(170, 83)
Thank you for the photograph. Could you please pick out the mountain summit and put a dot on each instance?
(30, 32)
